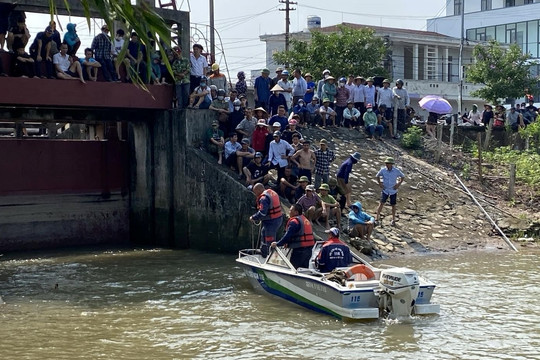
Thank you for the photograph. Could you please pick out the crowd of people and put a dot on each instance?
(518, 116)
(51, 55)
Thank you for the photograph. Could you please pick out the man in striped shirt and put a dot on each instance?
(323, 158)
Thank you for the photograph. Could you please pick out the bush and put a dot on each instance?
(527, 163)
(412, 138)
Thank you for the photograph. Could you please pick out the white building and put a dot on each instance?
(426, 61)
(507, 21)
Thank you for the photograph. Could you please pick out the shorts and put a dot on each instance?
(385, 196)
(71, 73)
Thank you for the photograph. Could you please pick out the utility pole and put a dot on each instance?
(462, 39)
(212, 35)
(287, 19)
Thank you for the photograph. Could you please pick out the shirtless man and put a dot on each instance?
(305, 159)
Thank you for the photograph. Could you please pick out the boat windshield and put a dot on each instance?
(279, 258)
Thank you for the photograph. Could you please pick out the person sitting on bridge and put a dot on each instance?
(89, 65)
(231, 148)
(66, 68)
(24, 64)
(299, 237)
(333, 254)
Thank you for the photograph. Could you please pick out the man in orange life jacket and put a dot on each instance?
(269, 213)
(299, 237)
(334, 253)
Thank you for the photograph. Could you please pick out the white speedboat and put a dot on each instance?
(360, 291)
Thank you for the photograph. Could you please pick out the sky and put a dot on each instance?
(239, 23)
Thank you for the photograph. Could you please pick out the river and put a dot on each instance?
(167, 304)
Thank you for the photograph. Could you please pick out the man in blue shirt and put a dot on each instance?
(390, 179)
(334, 253)
(343, 176)
(262, 89)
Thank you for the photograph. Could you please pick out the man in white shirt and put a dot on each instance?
(287, 87)
(384, 97)
(279, 153)
(369, 91)
(359, 96)
(66, 68)
(199, 66)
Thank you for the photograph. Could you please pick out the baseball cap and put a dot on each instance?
(258, 154)
(276, 124)
(334, 231)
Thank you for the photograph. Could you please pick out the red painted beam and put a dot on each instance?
(73, 93)
(41, 166)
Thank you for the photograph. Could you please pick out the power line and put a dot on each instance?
(287, 10)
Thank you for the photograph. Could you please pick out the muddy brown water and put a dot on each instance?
(166, 304)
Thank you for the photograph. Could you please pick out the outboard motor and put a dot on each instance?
(399, 289)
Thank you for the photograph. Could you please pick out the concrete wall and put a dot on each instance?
(179, 196)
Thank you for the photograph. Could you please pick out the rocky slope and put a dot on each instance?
(435, 213)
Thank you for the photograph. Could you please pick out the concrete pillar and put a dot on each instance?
(163, 180)
(415, 62)
(141, 202)
(426, 49)
(445, 65)
(435, 65)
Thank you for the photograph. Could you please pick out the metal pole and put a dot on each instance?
(460, 65)
(487, 215)
(212, 36)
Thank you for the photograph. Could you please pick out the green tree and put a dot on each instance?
(504, 72)
(347, 51)
(139, 18)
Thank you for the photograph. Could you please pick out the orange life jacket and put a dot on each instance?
(274, 211)
(304, 237)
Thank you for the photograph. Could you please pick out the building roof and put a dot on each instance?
(383, 29)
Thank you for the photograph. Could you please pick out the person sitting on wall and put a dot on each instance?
(256, 172)
(200, 98)
(40, 51)
(244, 157)
(221, 107)
(66, 68)
(215, 141)
(231, 148)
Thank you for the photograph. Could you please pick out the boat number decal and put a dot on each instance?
(315, 286)
(421, 294)
(355, 298)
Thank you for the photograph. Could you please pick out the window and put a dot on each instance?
(509, 3)
(457, 7)
(486, 5)
(528, 2)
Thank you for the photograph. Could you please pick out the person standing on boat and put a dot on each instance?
(334, 253)
(299, 237)
(269, 213)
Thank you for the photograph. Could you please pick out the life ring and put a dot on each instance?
(360, 272)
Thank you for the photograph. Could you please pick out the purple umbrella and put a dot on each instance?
(436, 104)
